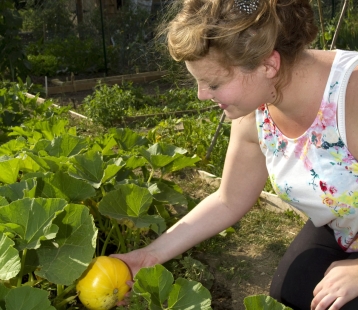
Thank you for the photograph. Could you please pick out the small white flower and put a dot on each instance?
(330, 135)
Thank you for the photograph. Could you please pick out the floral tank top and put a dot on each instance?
(315, 172)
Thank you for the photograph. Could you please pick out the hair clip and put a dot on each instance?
(247, 6)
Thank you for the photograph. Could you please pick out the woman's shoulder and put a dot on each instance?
(245, 128)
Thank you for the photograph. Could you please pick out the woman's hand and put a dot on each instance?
(338, 286)
(137, 259)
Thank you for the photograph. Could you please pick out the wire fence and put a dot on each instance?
(116, 36)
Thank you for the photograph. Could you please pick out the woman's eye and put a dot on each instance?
(213, 87)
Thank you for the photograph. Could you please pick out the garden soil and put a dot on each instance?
(231, 284)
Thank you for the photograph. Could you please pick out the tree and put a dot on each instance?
(13, 61)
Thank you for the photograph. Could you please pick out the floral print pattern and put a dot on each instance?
(316, 172)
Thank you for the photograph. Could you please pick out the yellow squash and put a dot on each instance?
(103, 284)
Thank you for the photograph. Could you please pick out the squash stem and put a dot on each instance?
(151, 175)
(122, 248)
(23, 259)
(64, 292)
(107, 240)
(64, 302)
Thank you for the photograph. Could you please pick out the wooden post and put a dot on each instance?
(79, 11)
(345, 5)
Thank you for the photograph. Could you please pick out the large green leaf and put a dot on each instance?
(51, 128)
(91, 168)
(62, 185)
(31, 220)
(134, 162)
(131, 202)
(10, 263)
(105, 144)
(28, 164)
(155, 284)
(263, 302)
(47, 163)
(112, 168)
(9, 168)
(13, 146)
(167, 194)
(65, 145)
(161, 154)
(128, 139)
(181, 162)
(19, 190)
(187, 294)
(3, 201)
(27, 298)
(3, 292)
(65, 258)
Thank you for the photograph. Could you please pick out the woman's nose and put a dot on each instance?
(203, 94)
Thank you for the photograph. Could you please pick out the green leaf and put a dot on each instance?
(167, 194)
(155, 284)
(13, 146)
(19, 190)
(91, 167)
(161, 154)
(131, 202)
(51, 128)
(9, 168)
(181, 162)
(128, 139)
(263, 302)
(3, 201)
(113, 166)
(27, 298)
(31, 220)
(10, 263)
(105, 144)
(191, 295)
(48, 163)
(62, 185)
(3, 292)
(65, 145)
(134, 162)
(65, 258)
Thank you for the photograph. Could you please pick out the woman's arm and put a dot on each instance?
(244, 176)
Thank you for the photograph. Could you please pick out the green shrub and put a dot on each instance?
(108, 104)
(16, 107)
(72, 54)
(43, 65)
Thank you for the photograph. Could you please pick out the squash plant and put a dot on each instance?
(65, 199)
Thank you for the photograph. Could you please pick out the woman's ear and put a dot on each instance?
(272, 64)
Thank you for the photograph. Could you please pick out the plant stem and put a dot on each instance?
(341, 17)
(151, 175)
(64, 302)
(60, 289)
(107, 239)
(321, 22)
(98, 216)
(19, 277)
(122, 247)
(64, 292)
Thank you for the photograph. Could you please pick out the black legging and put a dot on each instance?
(303, 267)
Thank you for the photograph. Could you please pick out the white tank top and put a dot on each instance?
(316, 172)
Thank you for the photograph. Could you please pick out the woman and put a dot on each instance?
(293, 114)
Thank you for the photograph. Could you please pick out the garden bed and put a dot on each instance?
(242, 263)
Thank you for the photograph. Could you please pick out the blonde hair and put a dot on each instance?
(240, 38)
